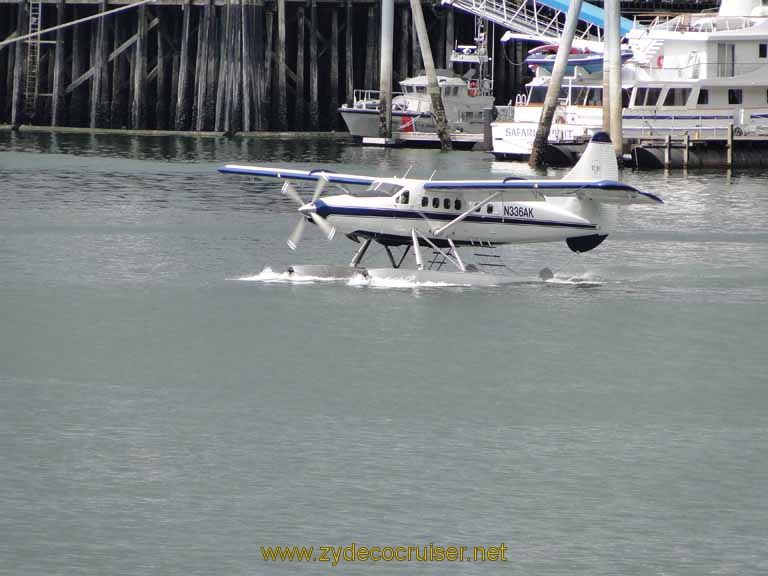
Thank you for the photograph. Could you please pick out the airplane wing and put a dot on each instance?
(606, 191)
(310, 175)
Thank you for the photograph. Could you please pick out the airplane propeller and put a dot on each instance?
(308, 209)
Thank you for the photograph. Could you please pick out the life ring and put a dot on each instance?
(660, 61)
(473, 88)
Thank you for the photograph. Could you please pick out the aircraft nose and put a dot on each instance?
(308, 208)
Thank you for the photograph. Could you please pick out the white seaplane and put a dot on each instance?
(445, 214)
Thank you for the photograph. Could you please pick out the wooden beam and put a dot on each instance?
(57, 109)
(182, 108)
(334, 88)
(282, 104)
(298, 107)
(138, 111)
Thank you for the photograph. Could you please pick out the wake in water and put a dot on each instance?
(406, 281)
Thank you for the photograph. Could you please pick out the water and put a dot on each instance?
(161, 414)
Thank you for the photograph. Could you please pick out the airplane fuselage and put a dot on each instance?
(391, 219)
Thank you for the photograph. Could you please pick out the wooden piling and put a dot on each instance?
(117, 102)
(161, 97)
(416, 63)
(298, 107)
(450, 38)
(729, 155)
(282, 92)
(405, 33)
(334, 99)
(667, 151)
(349, 50)
(201, 66)
(221, 87)
(686, 149)
(314, 108)
(77, 101)
(182, 108)
(17, 116)
(99, 113)
(138, 107)
(369, 81)
(57, 109)
(269, 26)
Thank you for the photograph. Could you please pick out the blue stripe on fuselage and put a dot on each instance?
(325, 210)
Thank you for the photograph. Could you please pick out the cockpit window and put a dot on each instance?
(405, 197)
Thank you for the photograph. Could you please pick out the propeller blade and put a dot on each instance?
(322, 223)
(296, 234)
(319, 187)
(290, 191)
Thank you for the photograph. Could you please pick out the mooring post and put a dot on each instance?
(246, 66)
(553, 90)
(259, 92)
(416, 63)
(282, 91)
(686, 149)
(201, 66)
(269, 25)
(209, 92)
(298, 121)
(116, 106)
(385, 75)
(432, 87)
(161, 105)
(58, 68)
(314, 105)
(349, 59)
(729, 156)
(667, 150)
(76, 102)
(334, 99)
(613, 43)
(222, 94)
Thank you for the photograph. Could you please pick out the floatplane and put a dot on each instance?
(442, 215)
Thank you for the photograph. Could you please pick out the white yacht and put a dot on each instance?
(688, 73)
(467, 91)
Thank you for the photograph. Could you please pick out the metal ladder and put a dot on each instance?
(33, 59)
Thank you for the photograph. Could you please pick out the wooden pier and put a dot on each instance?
(211, 65)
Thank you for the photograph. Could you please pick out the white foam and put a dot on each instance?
(406, 282)
(569, 279)
(267, 275)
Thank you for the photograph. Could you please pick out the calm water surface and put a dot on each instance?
(161, 414)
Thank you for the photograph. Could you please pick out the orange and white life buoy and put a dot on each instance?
(660, 61)
(473, 88)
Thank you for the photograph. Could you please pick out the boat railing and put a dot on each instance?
(673, 22)
(368, 99)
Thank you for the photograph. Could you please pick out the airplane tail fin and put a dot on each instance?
(598, 162)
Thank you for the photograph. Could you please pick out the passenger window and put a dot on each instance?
(424, 201)
(703, 96)
(435, 202)
(489, 209)
(762, 51)
(405, 197)
(653, 96)
(447, 203)
(734, 96)
(457, 204)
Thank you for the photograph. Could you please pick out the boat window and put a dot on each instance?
(457, 204)
(562, 96)
(640, 96)
(703, 97)
(762, 51)
(594, 97)
(726, 57)
(677, 96)
(766, 95)
(405, 197)
(577, 96)
(421, 89)
(625, 94)
(652, 96)
(435, 202)
(734, 96)
(424, 201)
(537, 95)
(447, 203)
(489, 209)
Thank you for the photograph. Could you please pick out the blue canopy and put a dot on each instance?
(589, 13)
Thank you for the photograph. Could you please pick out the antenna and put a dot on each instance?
(433, 173)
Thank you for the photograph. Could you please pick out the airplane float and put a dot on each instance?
(443, 215)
